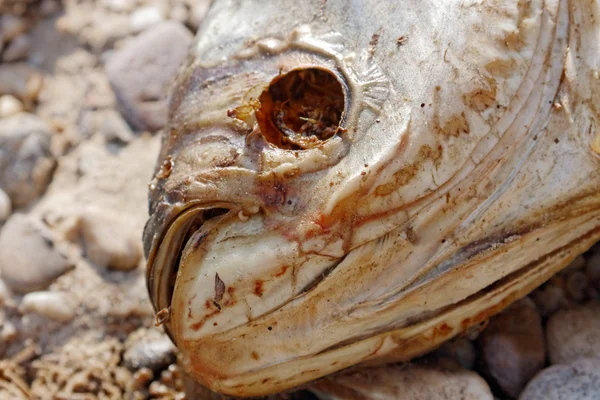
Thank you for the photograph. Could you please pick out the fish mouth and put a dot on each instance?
(164, 258)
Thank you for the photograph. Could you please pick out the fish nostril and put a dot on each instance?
(301, 109)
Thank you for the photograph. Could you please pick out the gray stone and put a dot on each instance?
(22, 81)
(141, 72)
(17, 50)
(574, 333)
(406, 382)
(148, 349)
(461, 350)
(5, 206)
(29, 260)
(512, 346)
(26, 164)
(577, 381)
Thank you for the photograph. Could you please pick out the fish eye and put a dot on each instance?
(301, 109)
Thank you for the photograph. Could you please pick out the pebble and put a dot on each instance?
(108, 123)
(17, 50)
(5, 206)
(148, 349)
(10, 105)
(49, 7)
(11, 26)
(198, 12)
(5, 295)
(26, 165)
(461, 350)
(574, 333)
(29, 260)
(107, 241)
(145, 17)
(20, 80)
(413, 381)
(512, 346)
(577, 285)
(52, 305)
(549, 298)
(592, 269)
(142, 378)
(143, 69)
(577, 381)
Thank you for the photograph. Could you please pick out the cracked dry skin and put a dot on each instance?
(462, 173)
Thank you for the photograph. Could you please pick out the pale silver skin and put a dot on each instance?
(467, 174)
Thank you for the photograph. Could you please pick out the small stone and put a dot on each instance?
(11, 26)
(592, 268)
(157, 389)
(198, 12)
(577, 381)
(575, 265)
(574, 333)
(412, 381)
(29, 260)
(5, 206)
(49, 7)
(577, 285)
(145, 17)
(512, 346)
(549, 298)
(17, 50)
(107, 122)
(106, 240)
(9, 106)
(9, 332)
(26, 164)
(461, 350)
(179, 13)
(119, 5)
(52, 305)
(5, 294)
(20, 80)
(141, 72)
(148, 349)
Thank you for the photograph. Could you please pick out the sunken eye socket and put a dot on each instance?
(301, 109)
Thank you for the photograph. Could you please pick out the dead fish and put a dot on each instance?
(350, 184)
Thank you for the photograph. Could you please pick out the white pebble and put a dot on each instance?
(51, 305)
(144, 18)
(9, 106)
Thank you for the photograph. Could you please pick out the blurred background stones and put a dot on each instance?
(83, 90)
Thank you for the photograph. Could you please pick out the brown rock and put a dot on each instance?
(512, 346)
(574, 333)
(29, 260)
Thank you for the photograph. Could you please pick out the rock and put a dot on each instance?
(11, 26)
(512, 346)
(142, 71)
(145, 17)
(5, 206)
(148, 349)
(26, 164)
(574, 333)
(461, 350)
(107, 240)
(577, 285)
(549, 298)
(5, 295)
(414, 382)
(198, 12)
(592, 268)
(29, 260)
(9, 106)
(52, 305)
(49, 7)
(107, 122)
(577, 381)
(17, 50)
(20, 80)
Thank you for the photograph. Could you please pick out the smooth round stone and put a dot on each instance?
(29, 261)
(574, 333)
(577, 381)
(5, 206)
(52, 305)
